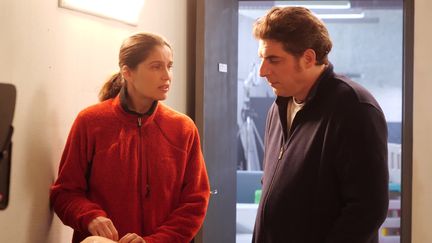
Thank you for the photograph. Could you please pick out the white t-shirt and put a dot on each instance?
(292, 109)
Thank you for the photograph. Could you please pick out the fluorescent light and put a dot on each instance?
(341, 16)
(326, 6)
(316, 4)
(126, 11)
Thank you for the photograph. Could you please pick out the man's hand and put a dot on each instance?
(104, 227)
(131, 238)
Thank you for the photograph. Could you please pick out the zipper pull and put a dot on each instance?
(281, 153)
(147, 190)
(139, 122)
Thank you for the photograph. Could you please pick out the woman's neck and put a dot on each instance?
(139, 105)
(136, 103)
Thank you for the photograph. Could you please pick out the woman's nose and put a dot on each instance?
(167, 75)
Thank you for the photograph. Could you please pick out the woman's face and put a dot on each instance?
(151, 79)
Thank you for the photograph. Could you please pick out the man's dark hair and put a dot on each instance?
(297, 29)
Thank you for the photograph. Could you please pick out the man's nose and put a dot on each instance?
(263, 70)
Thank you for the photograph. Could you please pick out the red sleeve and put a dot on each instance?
(185, 221)
(68, 193)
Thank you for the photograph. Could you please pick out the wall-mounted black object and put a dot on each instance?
(7, 107)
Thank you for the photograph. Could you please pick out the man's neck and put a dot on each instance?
(310, 80)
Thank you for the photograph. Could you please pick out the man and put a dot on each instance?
(325, 164)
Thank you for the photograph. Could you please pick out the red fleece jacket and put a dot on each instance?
(147, 175)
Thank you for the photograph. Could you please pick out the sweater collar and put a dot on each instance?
(123, 103)
(129, 116)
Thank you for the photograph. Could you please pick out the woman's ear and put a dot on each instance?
(126, 72)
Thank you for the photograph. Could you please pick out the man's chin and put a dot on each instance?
(280, 93)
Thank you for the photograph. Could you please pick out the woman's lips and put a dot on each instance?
(164, 88)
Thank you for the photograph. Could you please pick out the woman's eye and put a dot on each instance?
(156, 67)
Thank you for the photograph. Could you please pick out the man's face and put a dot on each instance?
(283, 71)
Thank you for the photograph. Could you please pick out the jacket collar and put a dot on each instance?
(311, 99)
(123, 102)
(130, 116)
(328, 72)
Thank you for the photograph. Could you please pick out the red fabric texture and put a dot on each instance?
(149, 179)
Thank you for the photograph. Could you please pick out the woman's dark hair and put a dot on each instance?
(133, 51)
(297, 29)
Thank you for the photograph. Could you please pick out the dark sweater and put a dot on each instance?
(330, 185)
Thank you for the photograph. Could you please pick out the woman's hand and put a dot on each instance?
(104, 227)
(131, 238)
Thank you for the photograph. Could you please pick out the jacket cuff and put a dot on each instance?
(87, 218)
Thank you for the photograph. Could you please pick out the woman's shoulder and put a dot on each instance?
(172, 114)
(167, 116)
(177, 128)
(98, 110)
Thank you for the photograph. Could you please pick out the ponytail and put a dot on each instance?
(111, 88)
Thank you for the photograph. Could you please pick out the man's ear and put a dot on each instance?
(309, 57)
(126, 72)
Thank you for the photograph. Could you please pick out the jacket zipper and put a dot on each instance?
(140, 158)
(147, 187)
(281, 153)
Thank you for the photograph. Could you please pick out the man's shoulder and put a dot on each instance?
(350, 99)
(349, 92)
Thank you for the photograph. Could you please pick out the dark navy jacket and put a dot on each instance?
(326, 179)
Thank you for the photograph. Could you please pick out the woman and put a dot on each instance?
(132, 168)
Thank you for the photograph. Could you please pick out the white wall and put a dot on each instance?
(422, 144)
(58, 59)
